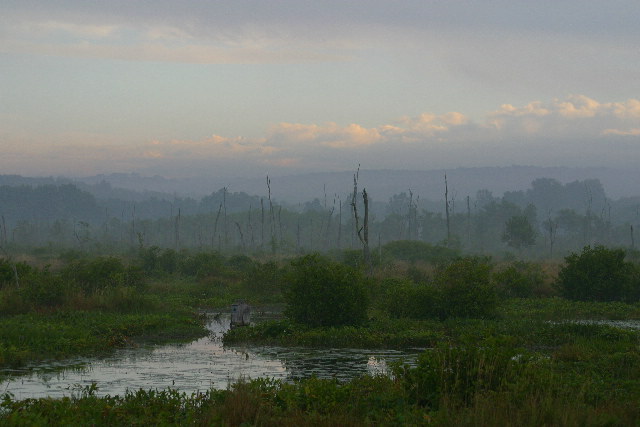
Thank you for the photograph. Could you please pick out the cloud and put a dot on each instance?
(573, 131)
(328, 135)
(630, 132)
(555, 132)
(575, 116)
(293, 30)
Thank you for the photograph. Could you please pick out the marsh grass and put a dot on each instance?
(480, 388)
(32, 337)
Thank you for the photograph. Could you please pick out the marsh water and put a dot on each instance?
(197, 366)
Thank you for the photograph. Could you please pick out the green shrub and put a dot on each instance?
(519, 280)
(7, 274)
(599, 274)
(414, 251)
(264, 279)
(43, 289)
(240, 263)
(167, 261)
(201, 265)
(466, 289)
(102, 272)
(321, 292)
(458, 374)
(403, 298)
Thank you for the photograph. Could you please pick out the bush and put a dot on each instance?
(201, 265)
(414, 251)
(43, 289)
(458, 374)
(321, 292)
(466, 289)
(519, 280)
(599, 274)
(264, 279)
(101, 273)
(403, 298)
(7, 274)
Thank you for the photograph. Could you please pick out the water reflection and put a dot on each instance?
(197, 366)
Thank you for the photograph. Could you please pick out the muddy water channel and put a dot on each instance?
(197, 366)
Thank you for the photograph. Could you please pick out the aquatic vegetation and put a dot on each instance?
(31, 337)
(321, 292)
(487, 358)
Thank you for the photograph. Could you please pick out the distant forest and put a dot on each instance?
(546, 220)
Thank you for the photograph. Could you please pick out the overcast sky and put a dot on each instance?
(248, 88)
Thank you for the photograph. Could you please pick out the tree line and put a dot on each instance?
(547, 220)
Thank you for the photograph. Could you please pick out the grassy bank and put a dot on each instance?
(485, 387)
(525, 322)
(535, 363)
(29, 338)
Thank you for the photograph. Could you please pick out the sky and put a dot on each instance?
(249, 88)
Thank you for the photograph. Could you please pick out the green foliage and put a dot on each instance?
(414, 251)
(463, 288)
(157, 260)
(321, 292)
(32, 337)
(519, 232)
(7, 275)
(599, 274)
(466, 289)
(264, 279)
(202, 264)
(240, 263)
(43, 289)
(101, 273)
(403, 298)
(458, 373)
(519, 280)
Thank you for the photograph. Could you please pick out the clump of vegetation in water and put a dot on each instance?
(321, 292)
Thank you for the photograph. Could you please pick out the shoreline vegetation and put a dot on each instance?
(505, 343)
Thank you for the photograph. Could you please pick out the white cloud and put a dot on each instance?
(574, 131)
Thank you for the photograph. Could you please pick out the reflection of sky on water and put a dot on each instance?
(193, 367)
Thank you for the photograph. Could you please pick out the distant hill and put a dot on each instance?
(381, 184)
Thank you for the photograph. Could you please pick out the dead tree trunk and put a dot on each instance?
(552, 227)
(339, 223)
(244, 248)
(446, 209)
(215, 226)
(272, 218)
(252, 240)
(226, 229)
(261, 223)
(362, 232)
(177, 231)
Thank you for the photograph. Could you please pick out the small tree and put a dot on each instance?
(599, 274)
(466, 289)
(518, 232)
(321, 292)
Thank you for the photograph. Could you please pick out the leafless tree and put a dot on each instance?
(362, 232)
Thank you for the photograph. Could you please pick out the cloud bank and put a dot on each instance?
(574, 131)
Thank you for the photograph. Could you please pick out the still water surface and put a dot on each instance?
(197, 366)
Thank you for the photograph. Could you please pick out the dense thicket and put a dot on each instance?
(321, 292)
(599, 274)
